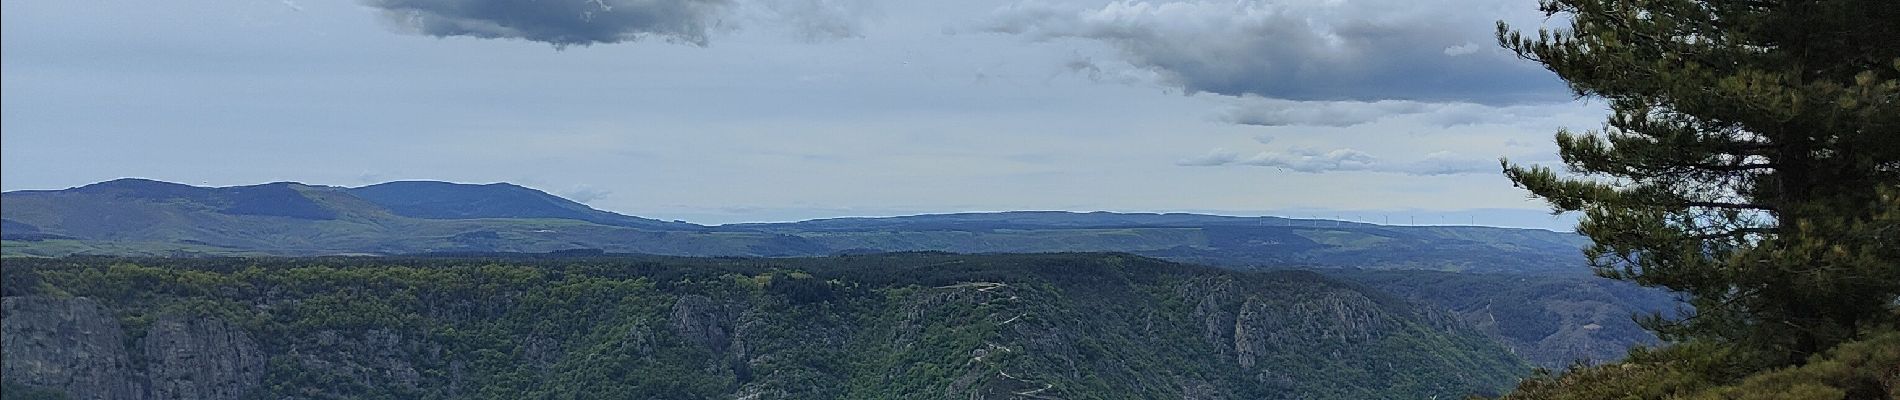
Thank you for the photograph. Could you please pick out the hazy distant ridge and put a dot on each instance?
(147, 217)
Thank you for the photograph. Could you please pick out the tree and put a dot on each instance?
(1751, 161)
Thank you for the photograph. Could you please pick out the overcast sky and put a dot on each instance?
(717, 111)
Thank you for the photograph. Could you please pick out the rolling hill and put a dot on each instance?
(444, 200)
(135, 216)
(143, 217)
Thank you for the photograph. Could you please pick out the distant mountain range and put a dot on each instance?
(1525, 287)
(146, 217)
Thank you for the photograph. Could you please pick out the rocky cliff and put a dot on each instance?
(200, 358)
(1552, 322)
(76, 346)
(72, 345)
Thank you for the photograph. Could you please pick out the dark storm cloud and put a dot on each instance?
(1357, 50)
(560, 22)
(586, 22)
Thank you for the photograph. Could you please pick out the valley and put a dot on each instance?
(1484, 304)
(909, 325)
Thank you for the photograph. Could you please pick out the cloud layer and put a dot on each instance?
(587, 22)
(1252, 110)
(1269, 112)
(1334, 50)
(559, 22)
(1345, 160)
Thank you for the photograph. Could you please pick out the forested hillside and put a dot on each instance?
(1551, 321)
(922, 325)
(1550, 328)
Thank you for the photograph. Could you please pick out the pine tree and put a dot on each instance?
(1751, 161)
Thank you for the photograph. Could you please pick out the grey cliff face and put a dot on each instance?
(201, 358)
(72, 345)
(703, 322)
(1247, 327)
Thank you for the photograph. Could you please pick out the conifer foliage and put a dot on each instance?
(1751, 161)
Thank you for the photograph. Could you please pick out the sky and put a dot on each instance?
(720, 111)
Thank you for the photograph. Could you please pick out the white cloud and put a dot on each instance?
(1345, 160)
(586, 193)
(1464, 49)
(1252, 110)
(1449, 163)
(1212, 158)
(1311, 161)
(1257, 111)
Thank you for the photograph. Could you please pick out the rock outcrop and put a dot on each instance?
(73, 345)
(201, 358)
(701, 321)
